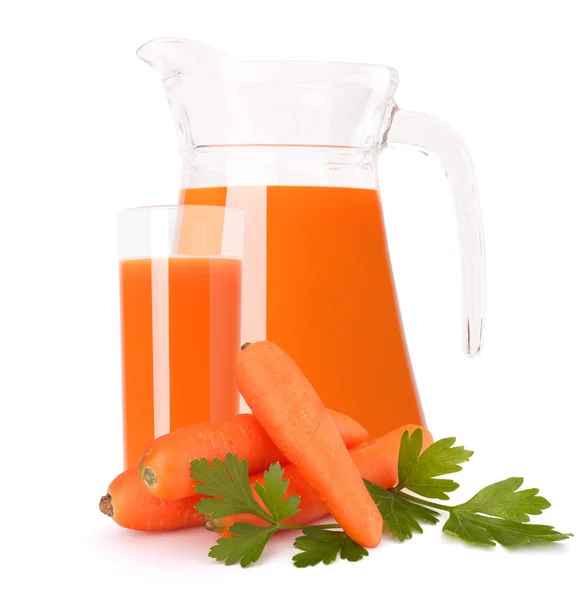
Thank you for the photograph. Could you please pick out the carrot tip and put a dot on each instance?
(149, 477)
(106, 505)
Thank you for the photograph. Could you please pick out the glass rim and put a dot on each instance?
(180, 229)
(170, 208)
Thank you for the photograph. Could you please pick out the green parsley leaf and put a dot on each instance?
(418, 472)
(499, 513)
(401, 514)
(228, 482)
(410, 447)
(245, 547)
(502, 500)
(479, 529)
(272, 494)
(321, 545)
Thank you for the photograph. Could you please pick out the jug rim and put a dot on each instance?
(227, 62)
(329, 63)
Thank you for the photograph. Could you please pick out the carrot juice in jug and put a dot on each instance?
(330, 297)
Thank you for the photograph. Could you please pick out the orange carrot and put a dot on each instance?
(164, 466)
(130, 504)
(289, 409)
(377, 462)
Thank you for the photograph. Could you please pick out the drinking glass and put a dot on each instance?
(180, 303)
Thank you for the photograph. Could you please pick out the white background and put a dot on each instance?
(85, 132)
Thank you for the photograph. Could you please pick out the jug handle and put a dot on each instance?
(433, 136)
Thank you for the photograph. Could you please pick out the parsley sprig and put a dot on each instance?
(229, 485)
(498, 514)
(230, 493)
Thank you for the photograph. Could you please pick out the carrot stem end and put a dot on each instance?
(149, 477)
(106, 505)
(210, 523)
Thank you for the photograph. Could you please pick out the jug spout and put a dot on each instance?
(194, 77)
(168, 55)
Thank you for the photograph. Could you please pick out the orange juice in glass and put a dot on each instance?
(180, 318)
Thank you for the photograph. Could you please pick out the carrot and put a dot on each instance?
(130, 504)
(164, 466)
(376, 461)
(289, 409)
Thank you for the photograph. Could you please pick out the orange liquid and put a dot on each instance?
(330, 297)
(180, 337)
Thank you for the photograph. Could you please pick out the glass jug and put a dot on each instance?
(295, 145)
